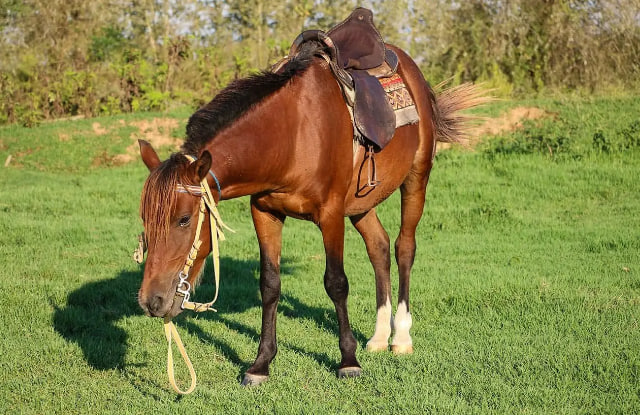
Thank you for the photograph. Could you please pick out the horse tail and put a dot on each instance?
(451, 124)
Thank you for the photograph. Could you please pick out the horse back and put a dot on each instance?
(321, 161)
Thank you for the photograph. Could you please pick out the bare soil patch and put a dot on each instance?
(157, 131)
(507, 122)
(510, 121)
(98, 129)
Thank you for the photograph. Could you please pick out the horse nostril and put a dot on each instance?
(155, 305)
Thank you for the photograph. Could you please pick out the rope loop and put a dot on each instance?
(172, 334)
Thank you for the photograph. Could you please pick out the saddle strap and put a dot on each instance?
(342, 76)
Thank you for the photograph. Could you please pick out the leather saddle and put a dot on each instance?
(358, 56)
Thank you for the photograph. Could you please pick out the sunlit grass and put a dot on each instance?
(525, 291)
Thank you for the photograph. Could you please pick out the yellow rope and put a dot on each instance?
(171, 333)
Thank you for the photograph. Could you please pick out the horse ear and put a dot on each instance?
(149, 155)
(202, 166)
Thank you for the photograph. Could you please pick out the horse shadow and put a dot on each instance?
(92, 312)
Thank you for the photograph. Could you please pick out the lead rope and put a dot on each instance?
(171, 333)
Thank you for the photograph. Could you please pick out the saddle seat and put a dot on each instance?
(358, 56)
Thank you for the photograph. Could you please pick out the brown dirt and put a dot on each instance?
(98, 129)
(509, 121)
(157, 131)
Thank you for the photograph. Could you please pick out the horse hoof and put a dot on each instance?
(349, 372)
(253, 380)
(402, 348)
(377, 347)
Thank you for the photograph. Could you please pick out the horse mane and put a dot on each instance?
(240, 96)
(159, 196)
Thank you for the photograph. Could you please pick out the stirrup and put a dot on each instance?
(372, 175)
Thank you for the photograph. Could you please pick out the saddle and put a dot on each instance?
(358, 56)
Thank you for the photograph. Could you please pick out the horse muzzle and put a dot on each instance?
(157, 303)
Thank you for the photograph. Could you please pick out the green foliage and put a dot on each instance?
(536, 44)
(62, 58)
(600, 142)
(542, 140)
(611, 126)
(631, 135)
(107, 44)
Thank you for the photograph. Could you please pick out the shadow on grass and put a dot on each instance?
(90, 315)
(92, 311)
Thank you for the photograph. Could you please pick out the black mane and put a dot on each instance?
(239, 96)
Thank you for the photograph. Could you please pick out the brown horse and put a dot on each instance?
(286, 139)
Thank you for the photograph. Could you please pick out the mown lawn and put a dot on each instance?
(525, 291)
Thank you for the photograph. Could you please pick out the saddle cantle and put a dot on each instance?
(358, 56)
(360, 45)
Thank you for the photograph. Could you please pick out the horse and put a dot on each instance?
(286, 139)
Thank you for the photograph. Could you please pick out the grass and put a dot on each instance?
(525, 291)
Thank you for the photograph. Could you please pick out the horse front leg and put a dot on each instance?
(268, 227)
(337, 287)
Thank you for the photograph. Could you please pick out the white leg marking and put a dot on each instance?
(384, 320)
(402, 343)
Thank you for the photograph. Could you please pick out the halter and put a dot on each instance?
(215, 227)
(207, 202)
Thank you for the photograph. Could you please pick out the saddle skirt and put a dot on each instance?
(376, 96)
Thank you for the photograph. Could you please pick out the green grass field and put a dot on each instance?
(525, 292)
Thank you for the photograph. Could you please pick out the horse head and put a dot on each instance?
(170, 207)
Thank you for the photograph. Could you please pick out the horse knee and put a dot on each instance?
(405, 248)
(269, 283)
(336, 285)
(270, 289)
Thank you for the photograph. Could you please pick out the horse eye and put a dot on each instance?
(184, 221)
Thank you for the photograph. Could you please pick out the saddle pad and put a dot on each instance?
(400, 100)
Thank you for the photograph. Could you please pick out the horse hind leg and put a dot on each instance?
(413, 198)
(376, 240)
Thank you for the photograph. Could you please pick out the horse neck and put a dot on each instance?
(282, 137)
(248, 154)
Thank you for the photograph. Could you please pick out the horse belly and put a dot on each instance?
(392, 165)
(295, 206)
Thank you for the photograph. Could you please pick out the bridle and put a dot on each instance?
(183, 294)
(207, 202)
